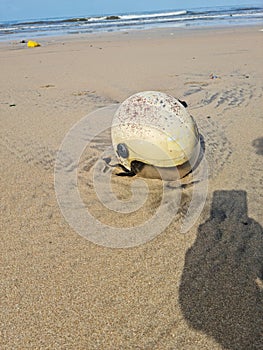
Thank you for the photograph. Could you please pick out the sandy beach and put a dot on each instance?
(199, 290)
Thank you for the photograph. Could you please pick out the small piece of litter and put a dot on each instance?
(32, 43)
(47, 86)
(213, 76)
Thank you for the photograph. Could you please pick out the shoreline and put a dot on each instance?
(136, 33)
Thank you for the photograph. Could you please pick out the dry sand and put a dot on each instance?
(199, 290)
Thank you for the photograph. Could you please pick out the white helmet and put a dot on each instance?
(156, 129)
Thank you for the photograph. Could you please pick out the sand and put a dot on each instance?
(197, 290)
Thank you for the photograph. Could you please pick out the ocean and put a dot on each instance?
(199, 17)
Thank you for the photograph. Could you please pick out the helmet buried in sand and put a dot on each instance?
(154, 129)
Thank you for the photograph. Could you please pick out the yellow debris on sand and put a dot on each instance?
(32, 43)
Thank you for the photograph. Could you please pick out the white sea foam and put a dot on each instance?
(155, 15)
(139, 16)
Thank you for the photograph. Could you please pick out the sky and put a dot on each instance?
(36, 9)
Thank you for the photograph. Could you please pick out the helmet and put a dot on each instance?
(156, 129)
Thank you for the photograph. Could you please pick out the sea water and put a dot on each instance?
(181, 18)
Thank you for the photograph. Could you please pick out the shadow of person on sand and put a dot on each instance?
(221, 286)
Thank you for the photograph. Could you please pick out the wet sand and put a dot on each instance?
(198, 290)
